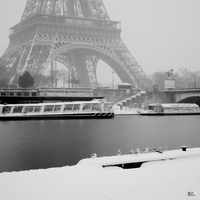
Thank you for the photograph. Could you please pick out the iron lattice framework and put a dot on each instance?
(76, 33)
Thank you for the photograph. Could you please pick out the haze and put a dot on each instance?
(160, 34)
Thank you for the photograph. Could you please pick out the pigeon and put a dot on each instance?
(159, 150)
(137, 151)
(118, 152)
(166, 148)
(146, 150)
(94, 155)
(131, 151)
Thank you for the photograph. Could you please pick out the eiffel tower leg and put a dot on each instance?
(81, 68)
(113, 52)
(12, 61)
(91, 62)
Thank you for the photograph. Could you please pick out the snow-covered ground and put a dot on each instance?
(169, 179)
(125, 111)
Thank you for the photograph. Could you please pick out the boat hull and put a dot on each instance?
(103, 115)
(164, 114)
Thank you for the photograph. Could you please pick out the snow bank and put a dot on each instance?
(142, 157)
(126, 112)
(169, 179)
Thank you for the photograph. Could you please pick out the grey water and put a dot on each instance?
(26, 145)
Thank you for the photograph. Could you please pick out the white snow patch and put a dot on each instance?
(169, 179)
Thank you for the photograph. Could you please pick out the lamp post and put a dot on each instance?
(10, 81)
(9, 88)
(194, 80)
(113, 81)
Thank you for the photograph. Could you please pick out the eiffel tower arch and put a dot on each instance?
(76, 33)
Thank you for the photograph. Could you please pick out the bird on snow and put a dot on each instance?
(94, 155)
(137, 151)
(146, 150)
(159, 150)
(131, 151)
(165, 148)
(118, 152)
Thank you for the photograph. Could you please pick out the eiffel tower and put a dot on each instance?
(76, 33)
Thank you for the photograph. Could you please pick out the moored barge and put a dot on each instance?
(172, 109)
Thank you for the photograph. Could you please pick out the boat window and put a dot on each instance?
(151, 107)
(96, 106)
(48, 108)
(158, 108)
(76, 107)
(6, 109)
(57, 108)
(17, 109)
(38, 108)
(68, 107)
(106, 107)
(29, 109)
(87, 107)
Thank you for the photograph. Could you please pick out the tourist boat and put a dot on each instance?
(60, 110)
(172, 109)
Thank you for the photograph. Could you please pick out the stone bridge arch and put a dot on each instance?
(188, 96)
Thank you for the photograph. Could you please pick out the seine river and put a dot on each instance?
(26, 145)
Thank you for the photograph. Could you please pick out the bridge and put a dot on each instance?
(128, 97)
(134, 98)
(187, 96)
(143, 98)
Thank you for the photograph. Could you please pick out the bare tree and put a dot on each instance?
(184, 78)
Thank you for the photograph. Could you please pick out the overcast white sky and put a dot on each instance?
(160, 34)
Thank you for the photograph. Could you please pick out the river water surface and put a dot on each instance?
(26, 145)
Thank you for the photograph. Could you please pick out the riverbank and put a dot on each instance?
(169, 179)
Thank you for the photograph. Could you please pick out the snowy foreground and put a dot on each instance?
(176, 179)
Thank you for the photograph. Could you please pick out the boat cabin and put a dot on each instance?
(174, 107)
(55, 108)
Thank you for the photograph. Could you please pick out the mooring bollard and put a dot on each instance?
(184, 148)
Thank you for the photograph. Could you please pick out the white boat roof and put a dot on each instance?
(186, 105)
(175, 105)
(54, 103)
